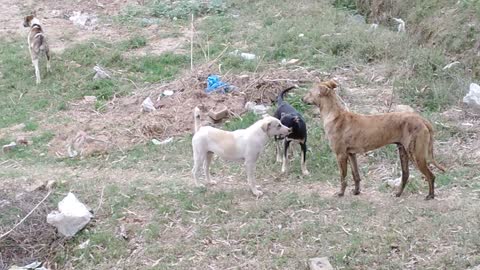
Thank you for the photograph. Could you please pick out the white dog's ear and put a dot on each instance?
(266, 126)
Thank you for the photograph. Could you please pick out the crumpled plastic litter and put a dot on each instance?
(73, 216)
(214, 84)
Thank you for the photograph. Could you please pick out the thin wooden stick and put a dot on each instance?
(23, 219)
(191, 45)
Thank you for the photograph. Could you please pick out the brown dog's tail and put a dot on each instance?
(196, 118)
(430, 147)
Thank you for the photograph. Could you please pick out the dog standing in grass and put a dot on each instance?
(350, 134)
(291, 118)
(240, 145)
(37, 43)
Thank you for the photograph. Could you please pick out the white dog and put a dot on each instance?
(239, 145)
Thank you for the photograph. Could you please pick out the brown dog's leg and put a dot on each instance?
(355, 173)
(423, 167)
(342, 161)
(405, 173)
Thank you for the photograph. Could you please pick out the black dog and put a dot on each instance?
(292, 119)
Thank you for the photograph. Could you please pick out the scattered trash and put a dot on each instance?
(100, 73)
(290, 62)
(84, 244)
(358, 18)
(167, 93)
(83, 20)
(246, 56)
(157, 142)
(73, 216)
(301, 35)
(34, 266)
(320, 264)
(450, 65)
(394, 182)
(473, 96)
(147, 105)
(219, 114)
(403, 108)
(22, 141)
(256, 109)
(401, 25)
(9, 147)
(373, 27)
(215, 84)
(90, 99)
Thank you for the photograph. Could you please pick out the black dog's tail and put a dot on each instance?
(282, 94)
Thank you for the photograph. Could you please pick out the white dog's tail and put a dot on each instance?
(196, 118)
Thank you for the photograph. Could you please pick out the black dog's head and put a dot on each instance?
(289, 119)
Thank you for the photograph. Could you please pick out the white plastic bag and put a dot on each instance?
(73, 216)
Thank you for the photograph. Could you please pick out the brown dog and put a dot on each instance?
(350, 134)
(37, 43)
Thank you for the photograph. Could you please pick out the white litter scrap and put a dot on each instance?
(100, 73)
(71, 217)
(373, 27)
(401, 24)
(83, 20)
(256, 109)
(33, 266)
(473, 96)
(451, 65)
(246, 56)
(147, 105)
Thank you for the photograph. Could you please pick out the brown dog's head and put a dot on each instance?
(319, 91)
(27, 21)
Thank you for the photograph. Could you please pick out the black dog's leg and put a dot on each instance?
(286, 144)
(304, 158)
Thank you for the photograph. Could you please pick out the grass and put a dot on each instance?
(168, 223)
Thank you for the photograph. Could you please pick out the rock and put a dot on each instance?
(73, 216)
(22, 141)
(473, 97)
(147, 105)
(9, 147)
(320, 264)
(403, 108)
(100, 73)
(219, 114)
(90, 99)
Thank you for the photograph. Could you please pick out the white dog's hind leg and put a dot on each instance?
(250, 167)
(37, 70)
(206, 167)
(197, 163)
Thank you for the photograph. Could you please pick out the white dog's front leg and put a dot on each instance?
(250, 167)
(278, 150)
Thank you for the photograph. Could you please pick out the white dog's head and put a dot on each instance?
(273, 127)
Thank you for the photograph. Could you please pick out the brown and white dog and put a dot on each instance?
(244, 145)
(350, 134)
(37, 43)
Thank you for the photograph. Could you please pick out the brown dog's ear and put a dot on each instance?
(330, 84)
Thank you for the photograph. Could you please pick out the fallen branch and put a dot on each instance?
(23, 219)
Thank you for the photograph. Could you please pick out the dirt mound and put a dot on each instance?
(123, 124)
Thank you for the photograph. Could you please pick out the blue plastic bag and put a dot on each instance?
(215, 84)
